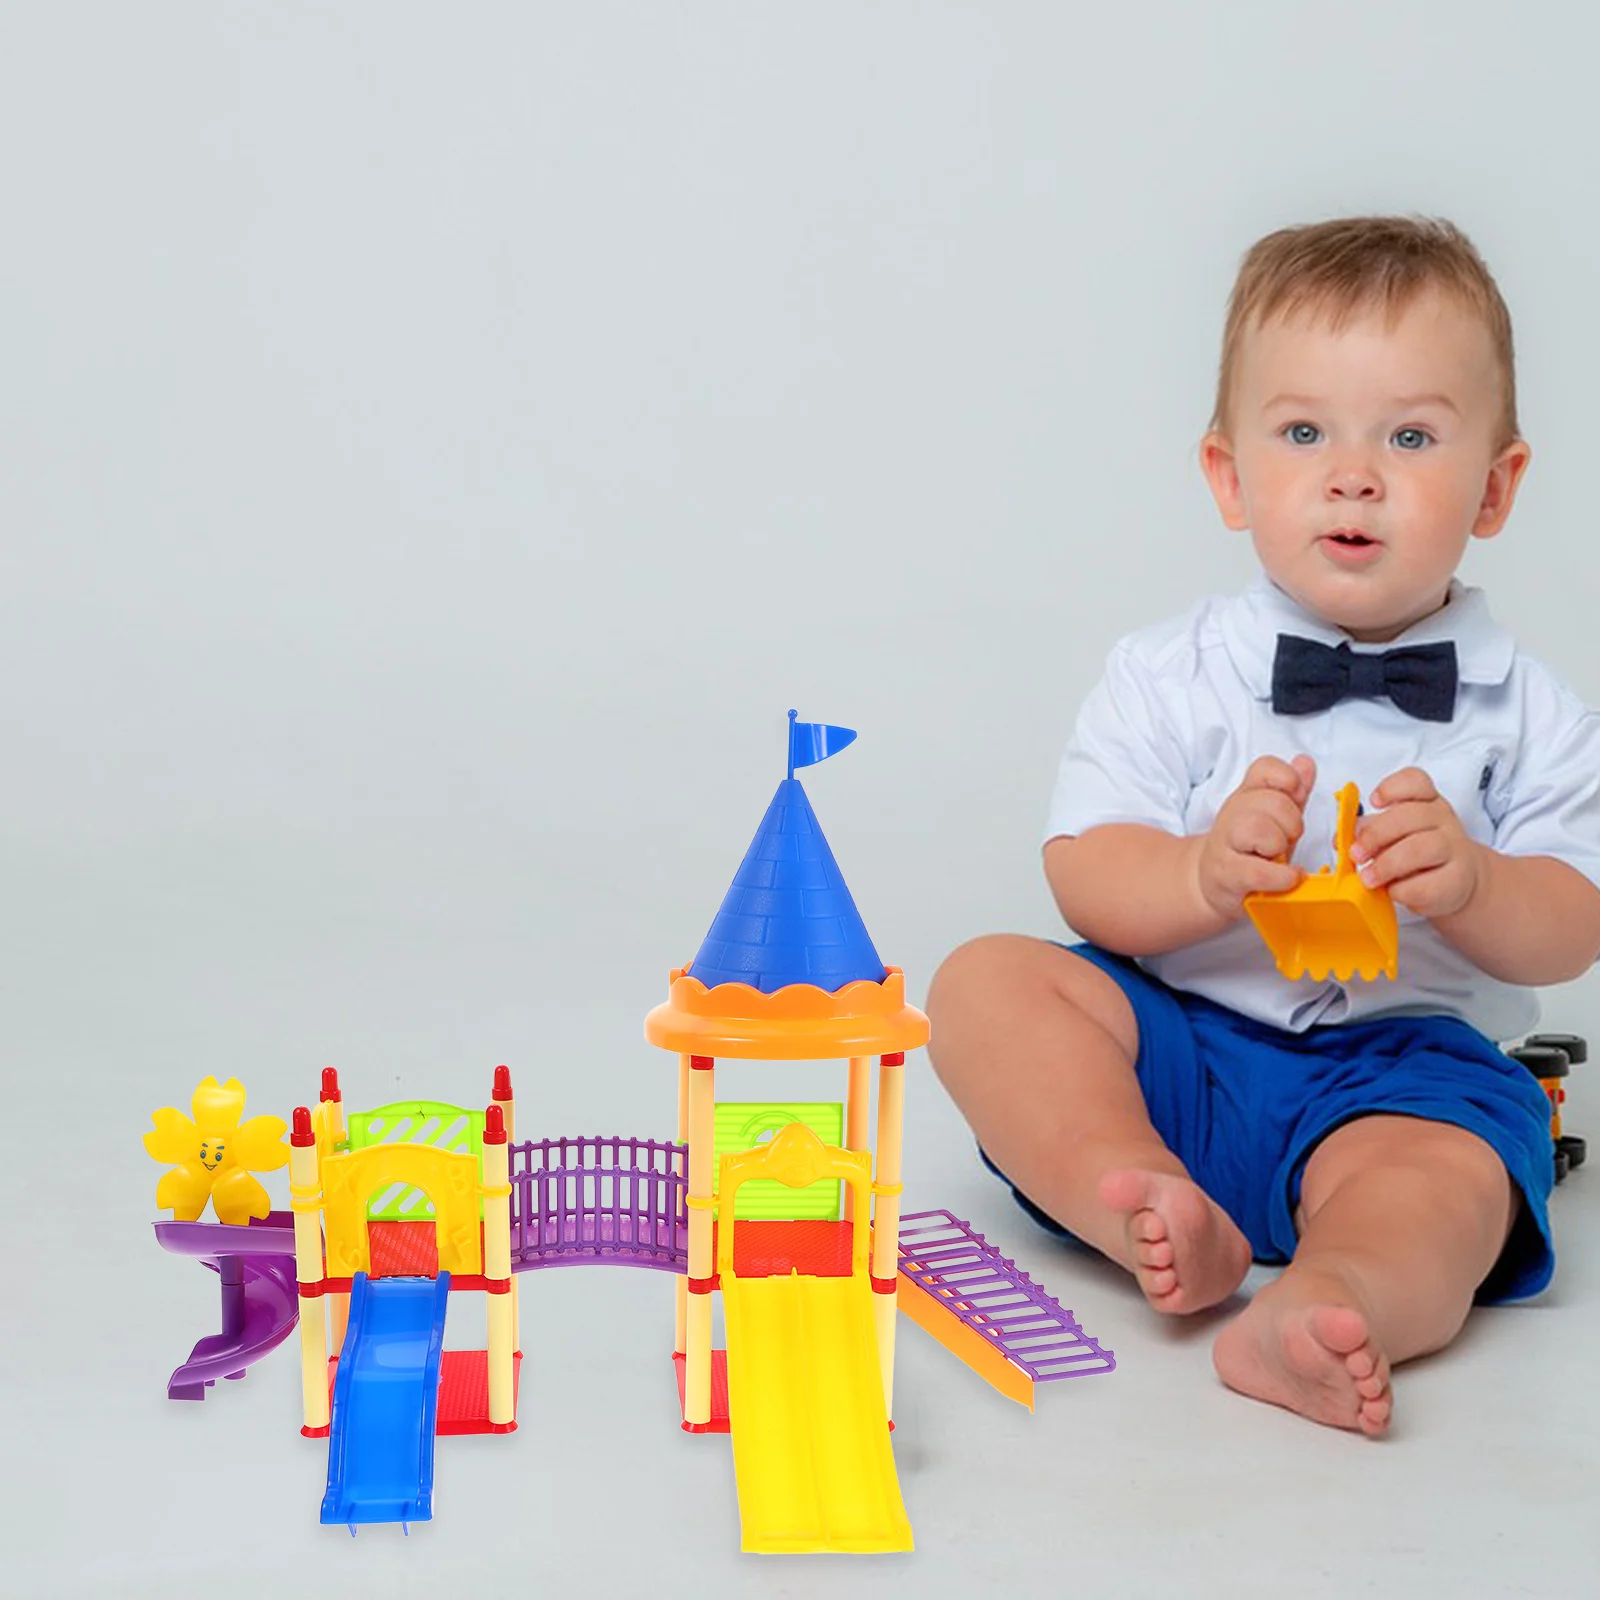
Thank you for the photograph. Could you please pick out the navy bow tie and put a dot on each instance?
(1419, 678)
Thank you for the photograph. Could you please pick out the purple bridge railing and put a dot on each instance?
(592, 1199)
(995, 1298)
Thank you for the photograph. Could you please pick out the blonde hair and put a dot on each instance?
(1353, 264)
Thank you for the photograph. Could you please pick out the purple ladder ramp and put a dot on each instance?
(260, 1299)
(995, 1298)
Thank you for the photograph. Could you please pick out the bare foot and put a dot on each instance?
(1302, 1344)
(1186, 1251)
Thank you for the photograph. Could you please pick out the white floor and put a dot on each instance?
(436, 445)
(1150, 1480)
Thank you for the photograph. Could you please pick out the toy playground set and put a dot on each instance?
(789, 1210)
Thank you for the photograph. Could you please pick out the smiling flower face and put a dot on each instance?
(214, 1154)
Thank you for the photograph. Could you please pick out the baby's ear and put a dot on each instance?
(1500, 489)
(1221, 467)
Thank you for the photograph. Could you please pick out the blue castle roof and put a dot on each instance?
(788, 916)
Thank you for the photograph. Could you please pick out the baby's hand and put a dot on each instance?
(1247, 849)
(1416, 847)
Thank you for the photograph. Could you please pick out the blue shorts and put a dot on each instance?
(1243, 1104)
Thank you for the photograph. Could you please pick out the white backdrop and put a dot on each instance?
(437, 445)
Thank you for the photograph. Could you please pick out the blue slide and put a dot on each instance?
(385, 1402)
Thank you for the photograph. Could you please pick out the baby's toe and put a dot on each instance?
(1373, 1417)
(1158, 1281)
(1158, 1254)
(1341, 1329)
(1148, 1227)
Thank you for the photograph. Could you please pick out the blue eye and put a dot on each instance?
(1412, 438)
(1302, 433)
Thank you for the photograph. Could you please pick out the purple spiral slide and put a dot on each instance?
(260, 1301)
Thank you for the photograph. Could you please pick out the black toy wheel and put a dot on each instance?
(1576, 1048)
(1563, 1164)
(1543, 1060)
(1575, 1147)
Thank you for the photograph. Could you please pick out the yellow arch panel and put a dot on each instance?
(450, 1180)
(798, 1158)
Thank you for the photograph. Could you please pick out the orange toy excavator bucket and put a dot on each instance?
(1331, 924)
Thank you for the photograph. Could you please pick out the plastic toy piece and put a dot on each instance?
(806, 1405)
(385, 1402)
(788, 916)
(259, 1305)
(1331, 923)
(351, 1180)
(591, 1199)
(741, 1124)
(787, 975)
(1550, 1057)
(386, 1378)
(430, 1123)
(799, 1023)
(398, 1207)
(987, 1311)
(215, 1155)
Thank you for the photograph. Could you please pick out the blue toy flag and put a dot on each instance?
(811, 742)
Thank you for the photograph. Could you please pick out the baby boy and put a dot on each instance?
(1160, 1091)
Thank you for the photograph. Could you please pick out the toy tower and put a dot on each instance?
(788, 972)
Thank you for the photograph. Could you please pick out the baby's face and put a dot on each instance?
(1363, 460)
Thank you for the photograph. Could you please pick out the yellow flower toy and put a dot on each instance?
(214, 1155)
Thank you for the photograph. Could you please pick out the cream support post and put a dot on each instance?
(508, 1106)
(339, 1299)
(305, 1198)
(681, 1295)
(855, 1126)
(886, 1214)
(697, 1356)
(497, 1267)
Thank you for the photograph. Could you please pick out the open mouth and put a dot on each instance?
(1350, 547)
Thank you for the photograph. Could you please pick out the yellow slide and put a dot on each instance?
(805, 1405)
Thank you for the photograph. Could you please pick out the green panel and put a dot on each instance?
(743, 1124)
(452, 1128)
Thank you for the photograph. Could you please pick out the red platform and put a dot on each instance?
(464, 1392)
(407, 1250)
(719, 1393)
(775, 1249)
(411, 1250)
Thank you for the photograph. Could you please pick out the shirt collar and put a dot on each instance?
(1252, 621)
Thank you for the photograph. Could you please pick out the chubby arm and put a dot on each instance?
(1531, 919)
(1131, 888)
(1140, 891)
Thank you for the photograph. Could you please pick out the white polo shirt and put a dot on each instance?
(1184, 708)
